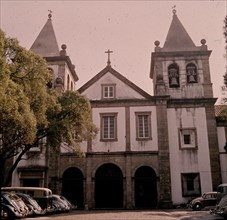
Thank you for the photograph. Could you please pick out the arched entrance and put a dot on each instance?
(72, 186)
(108, 187)
(145, 188)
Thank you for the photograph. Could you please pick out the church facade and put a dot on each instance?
(151, 151)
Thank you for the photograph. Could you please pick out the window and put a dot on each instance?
(190, 184)
(191, 73)
(108, 91)
(109, 127)
(187, 138)
(173, 73)
(143, 125)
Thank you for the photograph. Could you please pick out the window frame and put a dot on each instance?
(149, 137)
(102, 116)
(182, 132)
(185, 178)
(108, 95)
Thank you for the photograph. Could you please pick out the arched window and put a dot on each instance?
(191, 72)
(50, 83)
(173, 73)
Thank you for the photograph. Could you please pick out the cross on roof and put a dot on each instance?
(109, 52)
(50, 14)
(174, 9)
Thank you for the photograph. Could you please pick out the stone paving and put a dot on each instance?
(124, 215)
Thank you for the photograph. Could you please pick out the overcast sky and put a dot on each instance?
(128, 28)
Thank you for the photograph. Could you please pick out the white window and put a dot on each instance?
(109, 127)
(187, 138)
(108, 91)
(143, 125)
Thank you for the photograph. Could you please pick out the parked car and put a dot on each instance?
(13, 206)
(42, 195)
(206, 200)
(222, 191)
(63, 206)
(70, 204)
(221, 208)
(32, 204)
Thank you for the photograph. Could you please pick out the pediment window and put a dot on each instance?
(108, 91)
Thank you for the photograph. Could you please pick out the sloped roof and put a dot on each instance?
(109, 69)
(46, 43)
(177, 38)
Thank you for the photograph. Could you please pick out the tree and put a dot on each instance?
(30, 110)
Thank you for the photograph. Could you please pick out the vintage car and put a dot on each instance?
(208, 199)
(32, 204)
(12, 206)
(221, 208)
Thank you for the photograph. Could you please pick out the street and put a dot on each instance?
(131, 215)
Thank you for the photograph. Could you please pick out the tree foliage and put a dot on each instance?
(225, 35)
(30, 110)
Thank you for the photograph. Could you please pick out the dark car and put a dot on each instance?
(32, 204)
(12, 206)
(208, 199)
(221, 208)
(63, 206)
(70, 204)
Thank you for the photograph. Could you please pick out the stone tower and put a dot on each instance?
(180, 70)
(64, 78)
(45, 45)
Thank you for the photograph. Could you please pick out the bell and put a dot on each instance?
(191, 79)
(174, 82)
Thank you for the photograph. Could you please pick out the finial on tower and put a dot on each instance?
(109, 52)
(174, 9)
(50, 14)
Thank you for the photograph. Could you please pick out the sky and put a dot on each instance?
(128, 28)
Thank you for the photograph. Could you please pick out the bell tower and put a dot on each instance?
(180, 69)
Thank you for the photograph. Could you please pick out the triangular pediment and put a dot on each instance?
(125, 89)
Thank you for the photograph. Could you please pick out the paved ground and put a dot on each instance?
(131, 215)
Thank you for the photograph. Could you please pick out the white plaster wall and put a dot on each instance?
(24, 162)
(150, 145)
(81, 147)
(186, 161)
(55, 69)
(120, 144)
(223, 154)
(123, 91)
(68, 73)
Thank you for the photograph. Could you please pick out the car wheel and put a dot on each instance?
(197, 207)
(5, 214)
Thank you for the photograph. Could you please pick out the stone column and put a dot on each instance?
(165, 200)
(213, 145)
(128, 202)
